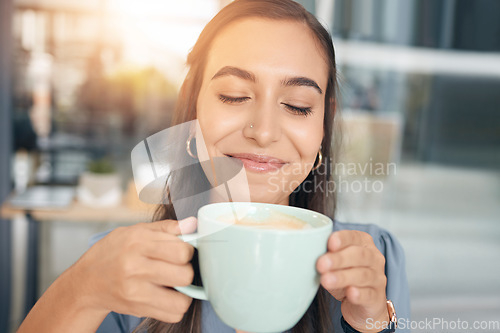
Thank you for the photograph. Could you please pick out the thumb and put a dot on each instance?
(187, 225)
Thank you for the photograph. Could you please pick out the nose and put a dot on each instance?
(265, 122)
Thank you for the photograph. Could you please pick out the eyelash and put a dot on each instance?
(301, 111)
(295, 109)
(232, 100)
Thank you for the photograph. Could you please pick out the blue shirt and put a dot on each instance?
(397, 287)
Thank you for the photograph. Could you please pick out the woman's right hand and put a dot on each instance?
(131, 269)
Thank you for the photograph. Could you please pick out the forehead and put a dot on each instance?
(280, 46)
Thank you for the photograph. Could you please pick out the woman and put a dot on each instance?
(261, 84)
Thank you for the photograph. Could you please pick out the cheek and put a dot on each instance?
(215, 123)
(206, 133)
(206, 112)
(307, 139)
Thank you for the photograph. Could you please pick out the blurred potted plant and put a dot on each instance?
(100, 186)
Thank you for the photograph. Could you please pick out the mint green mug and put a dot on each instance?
(257, 280)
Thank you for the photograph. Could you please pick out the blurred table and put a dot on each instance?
(76, 212)
(128, 212)
(46, 203)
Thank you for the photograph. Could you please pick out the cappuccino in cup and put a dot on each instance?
(258, 262)
(273, 220)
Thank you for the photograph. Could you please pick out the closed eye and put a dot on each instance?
(298, 110)
(305, 111)
(232, 100)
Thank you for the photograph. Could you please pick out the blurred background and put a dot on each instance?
(81, 82)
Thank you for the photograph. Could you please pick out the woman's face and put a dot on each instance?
(262, 101)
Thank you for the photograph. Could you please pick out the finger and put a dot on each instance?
(165, 304)
(362, 296)
(351, 256)
(344, 238)
(174, 251)
(339, 294)
(175, 302)
(185, 226)
(355, 277)
(169, 275)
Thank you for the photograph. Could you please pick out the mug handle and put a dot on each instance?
(192, 291)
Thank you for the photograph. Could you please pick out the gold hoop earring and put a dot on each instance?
(320, 159)
(188, 146)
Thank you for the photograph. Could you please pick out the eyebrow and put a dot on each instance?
(230, 70)
(246, 75)
(302, 81)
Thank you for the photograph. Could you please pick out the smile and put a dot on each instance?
(259, 163)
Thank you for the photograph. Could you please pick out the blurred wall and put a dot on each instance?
(440, 24)
(5, 145)
(433, 61)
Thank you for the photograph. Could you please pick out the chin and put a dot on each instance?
(265, 196)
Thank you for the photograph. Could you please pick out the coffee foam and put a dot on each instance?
(272, 220)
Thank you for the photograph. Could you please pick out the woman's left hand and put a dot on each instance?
(353, 272)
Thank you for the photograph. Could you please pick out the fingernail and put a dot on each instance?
(188, 225)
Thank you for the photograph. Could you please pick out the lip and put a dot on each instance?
(259, 163)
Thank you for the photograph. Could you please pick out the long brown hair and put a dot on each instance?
(318, 317)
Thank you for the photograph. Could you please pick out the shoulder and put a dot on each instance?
(97, 237)
(373, 229)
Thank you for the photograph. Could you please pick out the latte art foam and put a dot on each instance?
(272, 220)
